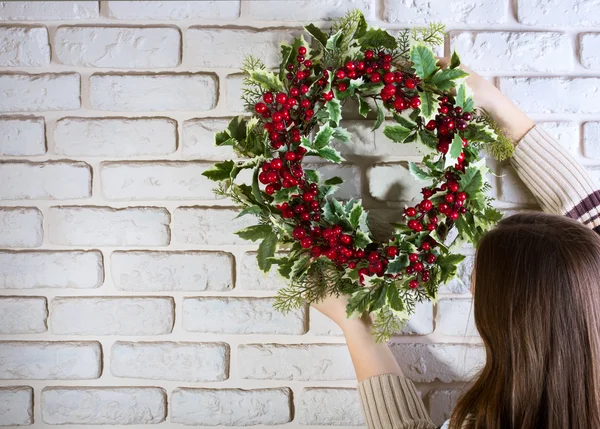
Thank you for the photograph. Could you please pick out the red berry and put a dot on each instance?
(300, 208)
(281, 98)
(303, 89)
(360, 66)
(350, 65)
(426, 205)
(392, 251)
(300, 58)
(270, 189)
(331, 254)
(352, 265)
(410, 212)
(444, 130)
(260, 107)
(410, 83)
(308, 63)
(368, 54)
(431, 227)
(337, 230)
(276, 164)
(287, 214)
(277, 117)
(373, 256)
(389, 77)
(340, 74)
(454, 215)
(444, 99)
(305, 103)
(263, 178)
(418, 267)
(299, 232)
(316, 217)
(400, 104)
(268, 97)
(345, 239)
(387, 58)
(413, 224)
(327, 96)
(272, 176)
(461, 196)
(306, 242)
(309, 113)
(389, 90)
(375, 77)
(415, 102)
(413, 284)
(375, 267)
(463, 209)
(314, 205)
(467, 116)
(305, 217)
(359, 253)
(309, 196)
(342, 87)
(302, 50)
(413, 257)
(315, 252)
(449, 198)
(444, 109)
(290, 156)
(453, 186)
(431, 125)
(431, 258)
(443, 147)
(426, 246)
(443, 208)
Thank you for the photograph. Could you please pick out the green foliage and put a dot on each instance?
(316, 34)
(220, 171)
(432, 36)
(445, 79)
(266, 250)
(424, 62)
(454, 60)
(396, 133)
(464, 97)
(429, 102)
(335, 111)
(378, 38)
(255, 232)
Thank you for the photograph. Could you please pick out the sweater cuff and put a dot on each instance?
(559, 183)
(392, 402)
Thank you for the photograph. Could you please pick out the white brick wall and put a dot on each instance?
(123, 288)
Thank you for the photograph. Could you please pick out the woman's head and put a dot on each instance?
(537, 309)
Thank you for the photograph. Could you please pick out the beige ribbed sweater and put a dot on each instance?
(561, 186)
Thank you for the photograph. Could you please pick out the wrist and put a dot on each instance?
(356, 327)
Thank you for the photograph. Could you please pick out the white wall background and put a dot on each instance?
(125, 299)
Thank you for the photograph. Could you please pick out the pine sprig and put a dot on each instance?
(432, 35)
(251, 90)
(501, 148)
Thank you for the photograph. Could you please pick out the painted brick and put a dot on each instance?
(39, 92)
(233, 45)
(199, 140)
(455, 317)
(234, 92)
(236, 407)
(22, 136)
(172, 271)
(565, 133)
(194, 225)
(307, 10)
(424, 363)
(300, 362)
(118, 47)
(591, 140)
(589, 48)
(27, 270)
(252, 278)
(98, 226)
(472, 12)
(151, 181)
(153, 92)
(23, 315)
(112, 316)
(115, 137)
(394, 182)
(16, 406)
(37, 360)
(103, 405)
(330, 407)
(513, 190)
(190, 362)
(421, 323)
(556, 13)
(461, 284)
(45, 180)
(441, 404)
(24, 47)
(240, 316)
(21, 227)
(175, 10)
(540, 94)
(48, 10)
(501, 51)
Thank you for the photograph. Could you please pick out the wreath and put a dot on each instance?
(324, 246)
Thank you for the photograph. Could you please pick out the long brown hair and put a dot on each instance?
(537, 309)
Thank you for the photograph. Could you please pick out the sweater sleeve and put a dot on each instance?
(392, 402)
(559, 183)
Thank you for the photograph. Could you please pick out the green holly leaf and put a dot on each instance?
(323, 137)
(355, 215)
(454, 60)
(427, 138)
(255, 232)
(342, 134)
(312, 176)
(472, 181)
(334, 181)
(371, 88)
(316, 34)
(358, 303)
(220, 171)
(378, 38)
(429, 102)
(423, 60)
(445, 79)
(418, 172)
(266, 250)
(335, 111)
(333, 41)
(397, 133)
(454, 152)
(464, 97)
(393, 298)
(448, 265)
(330, 154)
(300, 266)
(251, 210)
(284, 194)
(267, 80)
(222, 138)
(361, 240)
(380, 115)
(404, 121)
(398, 264)
(285, 267)
(256, 192)
(363, 107)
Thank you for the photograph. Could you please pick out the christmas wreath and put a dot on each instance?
(323, 246)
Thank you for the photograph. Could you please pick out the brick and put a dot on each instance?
(152, 181)
(45, 180)
(299, 362)
(424, 363)
(394, 182)
(474, 12)
(24, 47)
(16, 406)
(351, 175)
(104, 226)
(115, 137)
(21, 227)
(538, 95)
(591, 140)
(513, 190)
(118, 47)
(323, 325)
(306, 10)
(565, 133)
(240, 316)
(112, 316)
(233, 93)
(421, 323)
(555, 13)
(233, 45)
(190, 362)
(28, 269)
(367, 143)
(252, 278)
(23, 315)
(199, 140)
(503, 51)
(39, 92)
(441, 404)
(103, 405)
(461, 284)
(153, 92)
(48, 10)
(330, 407)
(22, 136)
(236, 407)
(455, 317)
(195, 225)
(172, 271)
(589, 46)
(175, 10)
(39, 360)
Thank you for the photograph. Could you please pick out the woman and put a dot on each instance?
(536, 294)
